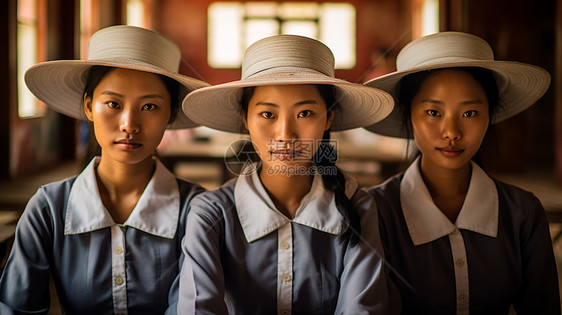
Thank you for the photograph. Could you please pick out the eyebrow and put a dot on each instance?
(301, 103)
(469, 102)
(110, 93)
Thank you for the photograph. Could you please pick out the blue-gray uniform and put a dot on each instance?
(498, 252)
(244, 257)
(98, 266)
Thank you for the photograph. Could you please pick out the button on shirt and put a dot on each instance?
(242, 253)
(99, 267)
(478, 264)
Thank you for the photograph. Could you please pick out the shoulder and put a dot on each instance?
(53, 195)
(390, 186)
(214, 202)
(387, 194)
(514, 194)
(519, 203)
(47, 207)
(188, 190)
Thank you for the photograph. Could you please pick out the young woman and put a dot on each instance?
(458, 241)
(109, 237)
(295, 236)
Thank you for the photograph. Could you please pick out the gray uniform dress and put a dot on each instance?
(244, 257)
(497, 253)
(98, 266)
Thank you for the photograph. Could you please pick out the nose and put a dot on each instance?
(285, 130)
(128, 122)
(451, 129)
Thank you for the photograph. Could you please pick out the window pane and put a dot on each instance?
(303, 28)
(27, 11)
(261, 9)
(337, 31)
(430, 17)
(27, 57)
(258, 29)
(224, 40)
(292, 10)
(135, 13)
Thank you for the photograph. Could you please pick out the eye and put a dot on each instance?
(305, 113)
(470, 113)
(112, 104)
(432, 113)
(267, 115)
(149, 107)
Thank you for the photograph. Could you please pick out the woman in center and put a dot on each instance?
(291, 234)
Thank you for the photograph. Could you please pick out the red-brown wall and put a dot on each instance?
(379, 24)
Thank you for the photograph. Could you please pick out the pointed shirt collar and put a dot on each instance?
(259, 216)
(427, 223)
(156, 212)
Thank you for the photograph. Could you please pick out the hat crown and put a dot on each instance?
(287, 51)
(445, 47)
(139, 45)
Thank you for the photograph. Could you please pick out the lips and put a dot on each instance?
(285, 154)
(451, 151)
(128, 144)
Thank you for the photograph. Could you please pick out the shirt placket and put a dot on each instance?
(461, 271)
(118, 276)
(285, 269)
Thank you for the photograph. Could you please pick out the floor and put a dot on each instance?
(14, 194)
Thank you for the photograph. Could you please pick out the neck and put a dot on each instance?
(447, 187)
(121, 185)
(286, 192)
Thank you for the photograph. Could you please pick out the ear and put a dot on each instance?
(87, 103)
(329, 120)
(245, 120)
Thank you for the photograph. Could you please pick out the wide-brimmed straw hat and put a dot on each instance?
(285, 60)
(520, 85)
(60, 84)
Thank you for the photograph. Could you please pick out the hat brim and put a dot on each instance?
(60, 84)
(520, 85)
(218, 107)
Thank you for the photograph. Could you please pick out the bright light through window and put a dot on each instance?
(233, 26)
(430, 17)
(27, 42)
(135, 13)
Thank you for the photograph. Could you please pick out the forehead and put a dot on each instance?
(450, 77)
(286, 93)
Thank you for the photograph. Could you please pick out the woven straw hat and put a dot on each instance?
(60, 84)
(520, 85)
(285, 60)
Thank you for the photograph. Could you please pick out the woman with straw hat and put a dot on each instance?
(457, 240)
(109, 237)
(292, 234)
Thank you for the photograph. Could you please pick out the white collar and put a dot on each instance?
(259, 216)
(156, 212)
(427, 223)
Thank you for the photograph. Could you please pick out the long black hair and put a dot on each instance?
(325, 158)
(410, 85)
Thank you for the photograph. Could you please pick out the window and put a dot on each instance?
(30, 51)
(233, 26)
(425, 18)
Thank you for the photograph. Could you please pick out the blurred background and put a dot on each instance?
(38, 145)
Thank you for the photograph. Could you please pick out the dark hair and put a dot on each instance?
(97, 73)
(410, 85)
(325, 158)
